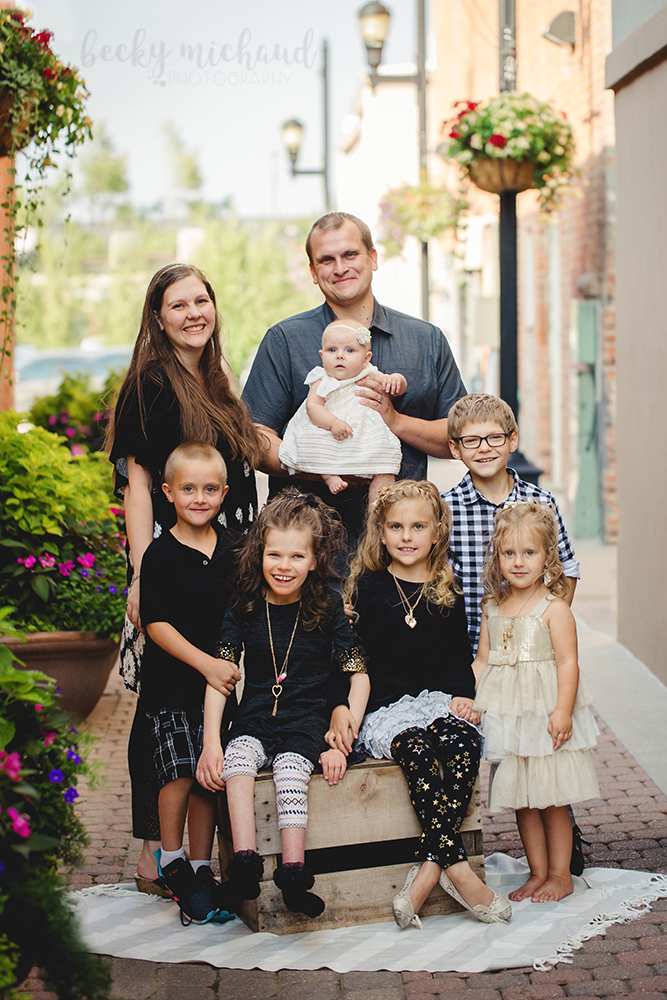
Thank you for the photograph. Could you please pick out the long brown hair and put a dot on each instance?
(537, 520)
(372, 556)
(304, 511)
(207, 411)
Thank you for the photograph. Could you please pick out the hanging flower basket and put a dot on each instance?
(531, 143)
(502, 175)
(422, 211)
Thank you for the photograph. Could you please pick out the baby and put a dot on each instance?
(333, 433)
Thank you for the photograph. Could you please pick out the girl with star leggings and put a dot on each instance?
(410, 616)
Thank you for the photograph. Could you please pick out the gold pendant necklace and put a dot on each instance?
(277, 688)
(409, 609)
(507, 631)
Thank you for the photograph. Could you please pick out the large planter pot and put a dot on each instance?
(80, 662)
(500, 175)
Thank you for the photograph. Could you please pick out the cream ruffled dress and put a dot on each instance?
(373, 449)
(517, 693)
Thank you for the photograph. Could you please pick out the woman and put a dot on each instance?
(175, 389)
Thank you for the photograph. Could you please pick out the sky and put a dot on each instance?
(227, 75)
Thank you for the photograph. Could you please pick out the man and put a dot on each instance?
(342, 260)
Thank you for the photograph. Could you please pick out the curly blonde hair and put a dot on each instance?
(372, 556)
(537, 520)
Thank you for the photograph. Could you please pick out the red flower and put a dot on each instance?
(49, 73)
(17, 16)
(43, 38)
(454, 134)
(497, 140)
(472, 105)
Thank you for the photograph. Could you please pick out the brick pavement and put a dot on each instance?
(627, 829)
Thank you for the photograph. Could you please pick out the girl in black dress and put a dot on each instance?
(295, 635)
(176, 389)
(411, 619)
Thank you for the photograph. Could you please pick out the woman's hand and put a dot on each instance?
(133, 604)
(334, 766)
(209, 768)
(560, 727)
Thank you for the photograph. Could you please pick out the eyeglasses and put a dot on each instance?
(472, 441)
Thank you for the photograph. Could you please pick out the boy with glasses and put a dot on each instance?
(483, 434)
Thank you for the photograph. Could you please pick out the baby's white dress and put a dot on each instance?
(517, 694)
(372, 450)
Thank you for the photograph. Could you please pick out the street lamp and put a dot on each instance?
(293, 135)
(374, 21)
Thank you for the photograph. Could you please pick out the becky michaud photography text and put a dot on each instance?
(186, 64)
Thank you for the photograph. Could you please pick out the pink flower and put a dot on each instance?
(19, 824)
(30, 561)
(115, 511)
(53, 419)
(65, 568)
(98, 416)
(78, 449)
(70, 432)
(39, 708)
(12, 766)
(497, 140)
(47, 561)
(49, 739)
(87, 560)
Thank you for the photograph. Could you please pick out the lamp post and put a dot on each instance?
(374, 21)
(507, 230)
(293, 134)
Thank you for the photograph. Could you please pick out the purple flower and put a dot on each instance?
(98, 589)
(125, 591)
(56, 776)
(112, 589)
(84, 572)
(99, 572)
(70, 794)
(73, 729)
(2, 868)
(73, 756)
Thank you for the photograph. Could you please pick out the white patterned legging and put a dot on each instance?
(291, 774)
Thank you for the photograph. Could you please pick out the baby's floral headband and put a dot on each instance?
(363, 335)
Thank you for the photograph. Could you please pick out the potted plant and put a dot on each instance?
(421, 210)
(513, 142)
(42, 105)
(62, 564)
(41, 760)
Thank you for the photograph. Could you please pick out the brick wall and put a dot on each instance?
(572, 80)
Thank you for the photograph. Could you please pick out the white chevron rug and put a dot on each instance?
(118, 920)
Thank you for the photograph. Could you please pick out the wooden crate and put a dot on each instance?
(360, 841)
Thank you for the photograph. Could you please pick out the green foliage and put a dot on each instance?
(42, 759)
(186, 168)
(249, 274)
(103, 168)
(77, 412)
(62, 565)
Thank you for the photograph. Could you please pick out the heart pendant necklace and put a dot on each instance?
(277, 688)
(409, 609)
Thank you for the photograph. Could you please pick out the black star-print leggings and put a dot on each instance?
(440, 801)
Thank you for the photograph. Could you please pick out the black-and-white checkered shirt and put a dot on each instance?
(472, 526)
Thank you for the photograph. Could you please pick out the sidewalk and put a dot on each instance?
(627, 828)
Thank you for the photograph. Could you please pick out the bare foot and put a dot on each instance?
(147, 865)
(527, 889)
(335, 484)
(556, 887)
